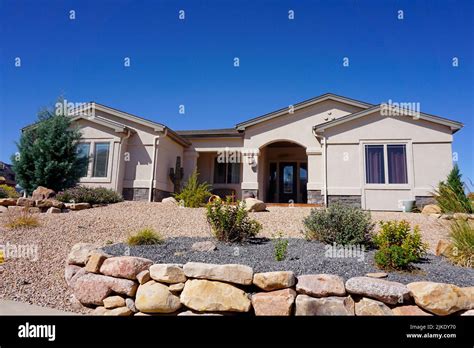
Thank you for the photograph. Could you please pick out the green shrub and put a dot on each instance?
(8, 192)
(92, 195)
(280, 247)
(462, 247)
(450, 195)
(146, 236)
(194, 194)
(339, 224)
(231, 223)
(398, 246)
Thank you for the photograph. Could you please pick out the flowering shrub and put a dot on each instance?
(92, 195)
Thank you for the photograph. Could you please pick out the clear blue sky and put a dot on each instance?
(190, 62)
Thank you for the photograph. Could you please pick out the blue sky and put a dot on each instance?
(190, 62)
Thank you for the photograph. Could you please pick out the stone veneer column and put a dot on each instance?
(250, 165)
(315, 175)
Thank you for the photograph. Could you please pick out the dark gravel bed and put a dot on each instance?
(303, 257)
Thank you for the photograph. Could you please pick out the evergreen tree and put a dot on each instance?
(47, 154)
(456, 186)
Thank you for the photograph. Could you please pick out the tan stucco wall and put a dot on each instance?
(429, 158)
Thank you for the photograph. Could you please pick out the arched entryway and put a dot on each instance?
(283, 172)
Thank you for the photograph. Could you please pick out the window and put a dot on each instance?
(226, 173)
(386, 164)
(374, 164)
(101, 160)
(397, 164)
(83, 150)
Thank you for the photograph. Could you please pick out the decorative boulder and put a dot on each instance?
(278, 303)
(306, 305)
(167, 273)
(443, 248)
(114, 302)
(143, 277)
(25, 202)
(269, 281)
(7, 202)
(95, 261)
(253, 204)
(69, 272)
(205, 247)
(409, 310)
(169, 200)
(42, 193)
(125, 266)
(431, 209)
(77, 206)
(379, 289)
(79, 254)
(367, 306)
(48, 203)
(232, 273)
(92, 289)
(153, 297)
(212, 296)
(320, 285)
(439, 298)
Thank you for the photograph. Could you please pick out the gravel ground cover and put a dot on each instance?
(304, 257)
(42, 282)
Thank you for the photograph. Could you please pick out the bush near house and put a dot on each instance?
(462, 246)
(450, 195)
(8, 192)
(47, 154)
(92, 195)
(398, 245)
(339, 224)
(194, 194)
(231, 223)
(146, 236)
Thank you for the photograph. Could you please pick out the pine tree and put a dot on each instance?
(456, 185)
(47, 154)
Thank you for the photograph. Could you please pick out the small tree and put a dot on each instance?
(47, 154)
(450, 194)
(194, 194)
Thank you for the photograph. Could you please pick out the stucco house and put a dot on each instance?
(323, 150)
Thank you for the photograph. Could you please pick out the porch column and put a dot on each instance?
(249, 184)
(190, 157)
(315, 175)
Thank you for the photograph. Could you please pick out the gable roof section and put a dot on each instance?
(303, 104)
(157, 127)
(454, 125)
(117, 127)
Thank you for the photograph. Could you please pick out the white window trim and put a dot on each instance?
(386, 185)
(90, 167)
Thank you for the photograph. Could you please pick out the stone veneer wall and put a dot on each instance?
(135, 194)
(421, 201)
(127, 285)
(315, 197)
(159, 195)
(353, 201)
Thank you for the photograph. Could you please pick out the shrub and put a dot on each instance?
(398, 246)
(193, 193)
(92, 195)
(280, 247)
(462, 247)
(231, 223)
(450, 195)
(8, 192)
(339, 224)
(25, 219)
(146, 236)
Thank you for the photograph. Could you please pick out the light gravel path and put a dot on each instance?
(42, 282)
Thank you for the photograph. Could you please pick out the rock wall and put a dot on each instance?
(127, 285)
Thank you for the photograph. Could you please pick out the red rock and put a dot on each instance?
(42, 193)
(125, 266)
(320, 285)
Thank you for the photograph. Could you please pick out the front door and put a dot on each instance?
(287, 187)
